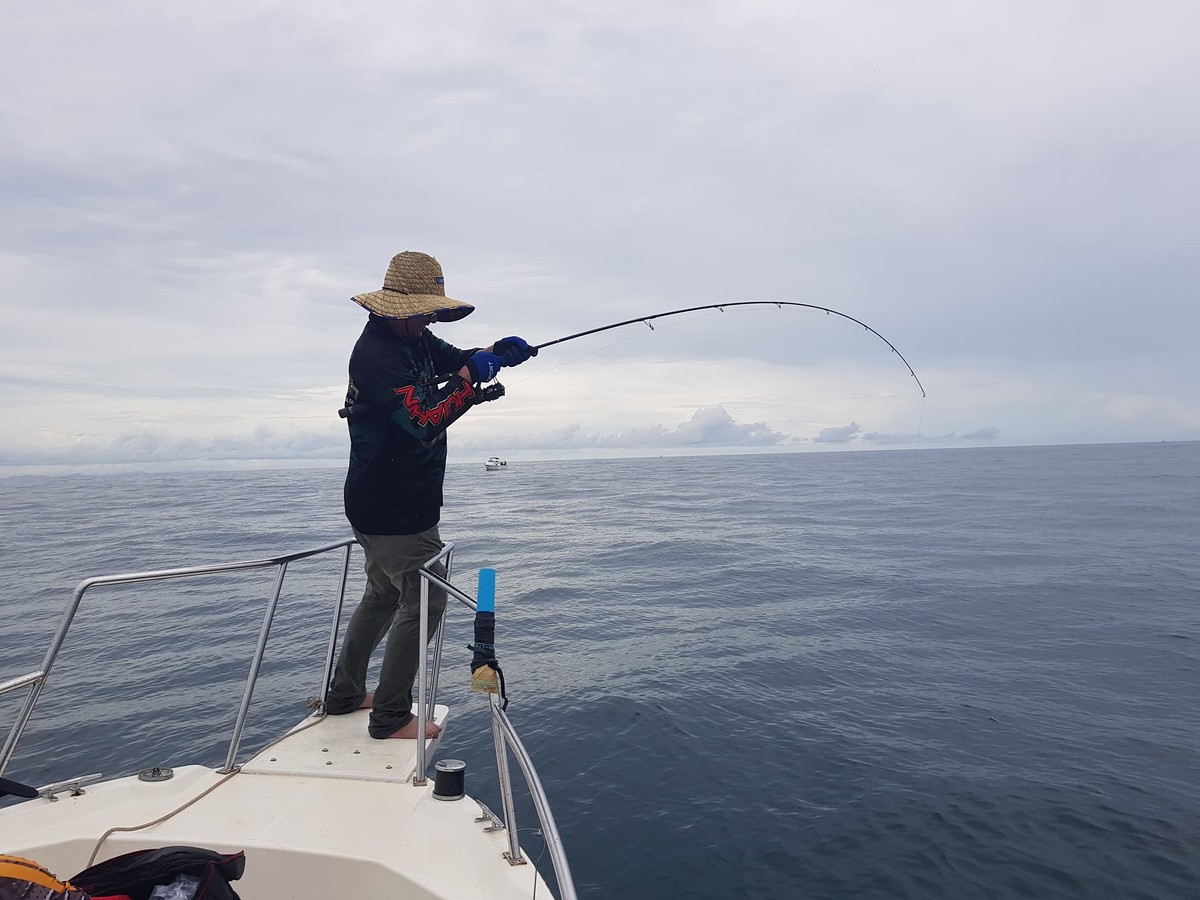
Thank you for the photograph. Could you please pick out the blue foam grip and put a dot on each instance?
(486, 601)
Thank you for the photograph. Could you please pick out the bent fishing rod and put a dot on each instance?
(722, 307)
(646, 320)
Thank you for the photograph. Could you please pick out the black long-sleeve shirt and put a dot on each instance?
(398, 444)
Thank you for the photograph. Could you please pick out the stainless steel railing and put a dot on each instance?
(504, 734)
(36, 679)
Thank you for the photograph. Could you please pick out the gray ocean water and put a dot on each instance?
(927, 674)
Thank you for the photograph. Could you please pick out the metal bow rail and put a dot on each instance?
(504, 734)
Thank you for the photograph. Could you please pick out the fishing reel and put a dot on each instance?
(487, 394)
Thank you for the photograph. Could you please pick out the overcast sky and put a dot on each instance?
(1007, 191)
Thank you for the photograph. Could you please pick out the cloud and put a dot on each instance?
(155, 447)
(842, 434)
(1137, 407)
(949, 439)
(891, 440)
(981, 434)
(708, 427)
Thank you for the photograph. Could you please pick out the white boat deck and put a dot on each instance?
(325, 812)
(339, 747)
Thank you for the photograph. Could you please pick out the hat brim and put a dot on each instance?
(395, 305)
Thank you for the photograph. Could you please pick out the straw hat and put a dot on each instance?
(414, 286)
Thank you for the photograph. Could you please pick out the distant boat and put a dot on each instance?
(495, 464)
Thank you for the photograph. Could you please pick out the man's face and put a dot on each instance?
(412, 326)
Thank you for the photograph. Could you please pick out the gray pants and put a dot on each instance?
(391, 607)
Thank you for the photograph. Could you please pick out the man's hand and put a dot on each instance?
(483, 366)
(513, 350)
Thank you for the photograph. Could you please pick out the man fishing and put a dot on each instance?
(398, 416)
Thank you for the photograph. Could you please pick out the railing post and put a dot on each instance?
(14, 735)
(558, 857)
(506, 794)
(60, 634)
(422, 662)
(333, 631)
(255, 665)
(72, 607)
(438, 636)
(427, 682)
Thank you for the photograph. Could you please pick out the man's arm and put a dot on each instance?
(426, 419)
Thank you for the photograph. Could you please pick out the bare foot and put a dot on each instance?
(432, 730)
(368, 701)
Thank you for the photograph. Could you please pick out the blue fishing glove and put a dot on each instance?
(513, 350)
(484, 366)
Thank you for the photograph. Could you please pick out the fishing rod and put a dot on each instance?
(722, 306)
(498, 390)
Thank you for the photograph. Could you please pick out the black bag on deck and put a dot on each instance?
(139, 872)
